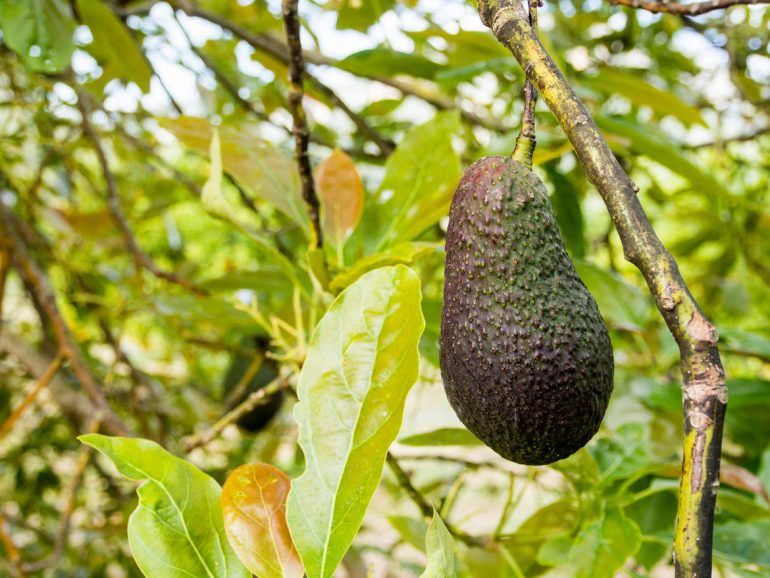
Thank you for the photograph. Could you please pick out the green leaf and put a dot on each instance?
(611, 81)
(569, 215)
(625, 453)
(361, 14)
(113, 47)
(764, 470)
(448, 436)
(441, 550)
(256, 164)
(389, 62)
(621, 304)
(412, 530)
(554, 552)
(40, 31)
(177, 530)
(744, 342)
(638, 139)
(743, 542)
(361, 363)
(420, 178)
(603, 547)
(403, 254)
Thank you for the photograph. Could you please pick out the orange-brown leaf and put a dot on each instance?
(254, 510)
(341, 194)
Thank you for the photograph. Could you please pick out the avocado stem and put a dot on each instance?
(526, 142)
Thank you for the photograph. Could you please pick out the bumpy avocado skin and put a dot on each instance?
(525, 355)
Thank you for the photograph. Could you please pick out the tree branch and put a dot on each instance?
(141, 259)
(274, 47)
(42, 382)
(256, 399)
(37, 284)
(704, 390)
(694, 9)
(300, 130)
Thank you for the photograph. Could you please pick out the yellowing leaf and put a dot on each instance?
(361, 363)
(256, 164)
(341, 194)
(254, 509)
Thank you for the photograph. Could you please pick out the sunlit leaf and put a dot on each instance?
(341, 194)
(258, 166)
(389, 62)
(448, 436)
(611, 80)
(40, 31)
(254, 510)
(420, 178)
(176, 531)
(360, 15)
(113, 47)
(404, 253)
(412, 530)
(361, 363)
(658, 147)
(601, 548)
(441, 550)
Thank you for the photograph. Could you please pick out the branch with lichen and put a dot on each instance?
(301, 132)
(703, 388)
(693, 9)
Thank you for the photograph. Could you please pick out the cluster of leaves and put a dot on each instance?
(213, 197)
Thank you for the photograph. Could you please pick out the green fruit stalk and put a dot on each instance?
(525, 355)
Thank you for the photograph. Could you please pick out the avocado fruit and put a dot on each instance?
(525, 355)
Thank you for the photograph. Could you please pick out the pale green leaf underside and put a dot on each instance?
(176, 530)
(441, 550)
(361, 363)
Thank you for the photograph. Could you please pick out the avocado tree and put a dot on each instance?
(225, 226)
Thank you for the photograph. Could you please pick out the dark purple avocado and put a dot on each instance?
(525, 355)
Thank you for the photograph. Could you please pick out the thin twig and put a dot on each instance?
(62, 534)
(703, 388)
(274, 47)
(256, 399)
(422, 503)
(694, 9)
(300, 130)
(39, 287)
(43, 382)
(527, 140)
(11, 551)
(141, 259)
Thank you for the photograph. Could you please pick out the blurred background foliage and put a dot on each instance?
(183, 272)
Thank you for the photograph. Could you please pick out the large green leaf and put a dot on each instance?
(40, 31)
(447, 436)
(603, 547)
(622, 304)
(256, 164)
(441, 550)
(361, 15)
(176, 530)
(743, 542)
(389, 62)
(745, 342)
(420, 178)
(361, 363)
(113, 46)
(611, 81)
(403, 253)
(631, 136)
